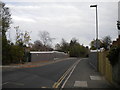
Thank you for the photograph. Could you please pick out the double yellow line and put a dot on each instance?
(56, 84)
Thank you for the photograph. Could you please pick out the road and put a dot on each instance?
(36, 77)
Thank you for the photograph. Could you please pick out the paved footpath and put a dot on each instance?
(84, 76)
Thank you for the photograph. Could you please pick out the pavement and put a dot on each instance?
(85, 76)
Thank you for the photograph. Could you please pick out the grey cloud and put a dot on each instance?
(66, 20)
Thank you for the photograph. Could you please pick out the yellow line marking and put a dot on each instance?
(56, 84)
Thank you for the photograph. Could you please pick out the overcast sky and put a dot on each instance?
(64, 19)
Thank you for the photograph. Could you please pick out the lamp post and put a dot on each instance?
(96, 32)
(96, 26)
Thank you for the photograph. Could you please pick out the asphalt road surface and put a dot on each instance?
(36, 77)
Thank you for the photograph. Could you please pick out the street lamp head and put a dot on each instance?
(93, 5)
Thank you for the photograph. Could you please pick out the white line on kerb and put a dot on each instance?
(4, 83)
(69, 75)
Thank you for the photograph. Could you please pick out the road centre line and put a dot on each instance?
(56, 84)
(67, 78)
(66, 74)
(69, 75)
(61, 79)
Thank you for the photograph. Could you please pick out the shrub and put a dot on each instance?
(113, 55)
(78, 51)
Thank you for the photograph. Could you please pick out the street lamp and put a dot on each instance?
(96, 26)
(96, 32)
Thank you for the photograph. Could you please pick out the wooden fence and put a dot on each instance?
(104, 66)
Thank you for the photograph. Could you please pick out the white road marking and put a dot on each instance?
(80, 84)
(96, 77)
(16, 83)
(4, 83)
(68, 77)
(69, 74)
(13, 83)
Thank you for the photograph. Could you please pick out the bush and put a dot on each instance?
(113, 55)
(17, 54)
(78, 51)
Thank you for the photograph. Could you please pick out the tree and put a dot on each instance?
(93, 44)
(12, 53)
(45, 38)
(57, 47)
(74, 49)
(22, 43)
(118, 25)
(106, 42)
(6, 18)
(16, 54)
(64, 46)
(26, 38)
(77, 50)
(113, 55)
(22, 38)
(73, 42)
(37, 46)
(5, 22)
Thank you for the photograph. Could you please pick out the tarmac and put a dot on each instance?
(30, 64)
(85, 76)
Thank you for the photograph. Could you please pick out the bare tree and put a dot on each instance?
(45, 38)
